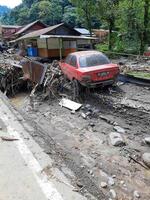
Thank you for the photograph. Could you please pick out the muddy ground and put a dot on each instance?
(81, 148)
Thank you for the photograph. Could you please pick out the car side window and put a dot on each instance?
(73, 61)
(68, 59)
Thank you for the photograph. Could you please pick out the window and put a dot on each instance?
(73, 61)
(68, 59)
(93, 60)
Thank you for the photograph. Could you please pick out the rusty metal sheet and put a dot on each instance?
(34, 71)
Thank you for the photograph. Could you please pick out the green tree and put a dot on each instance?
(70, 16)
(108, 10)
(133, 22)
(87, 9)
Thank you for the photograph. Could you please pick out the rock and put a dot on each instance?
(111, 181)
(115, 123)
(84, 116)
(79, 184)
(116, 139)
(122, 182)
(147, 140)
(113, 194)
(146, 159)
(103, 184)
(88, 113)
(1, 128)
(92, 124)
(136, 194)
(73, 112)
(96, 111)
(87, 106)
(119, 129)
(114, 176)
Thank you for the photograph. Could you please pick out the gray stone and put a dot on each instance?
(116, 139)
(146, 159)
(119, 129)
(122, 182)
(147, 140)
(136, 194)
(79, 184)
(84, 116)
(73, 112)
(111, 181)
(103, 184)
(113, 194)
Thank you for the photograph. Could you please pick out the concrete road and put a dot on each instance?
(26, 172)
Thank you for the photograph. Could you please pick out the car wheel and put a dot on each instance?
(75, 89)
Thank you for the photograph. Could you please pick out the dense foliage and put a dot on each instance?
(128, 21)
(3, 10)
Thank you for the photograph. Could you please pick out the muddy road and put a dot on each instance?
(81, 146)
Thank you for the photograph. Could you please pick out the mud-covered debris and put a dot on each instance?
(111, 181)
(113, 194)
(103, 184)
(116, 139)
(67, 103)
(8, 139)
(53, 80)
(146, 159)
(83, 115)
(91, 124)
(10, 76)
(136, 194)
(119, 129)
(79, 184)
(147, 140)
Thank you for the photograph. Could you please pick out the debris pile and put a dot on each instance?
(128, 65)
(10, 75)
(53, 80)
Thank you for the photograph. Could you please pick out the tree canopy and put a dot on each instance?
(128, 21)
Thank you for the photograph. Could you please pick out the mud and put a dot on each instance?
(81, 148)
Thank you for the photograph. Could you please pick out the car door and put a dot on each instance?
(70, 67)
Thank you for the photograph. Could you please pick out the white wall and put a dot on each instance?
(83, 41)
(53, 43)
(41, 43)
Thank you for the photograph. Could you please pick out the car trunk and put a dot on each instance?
(101, 72)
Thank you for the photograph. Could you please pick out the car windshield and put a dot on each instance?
(93, 60)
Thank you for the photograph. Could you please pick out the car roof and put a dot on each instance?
(85, 53)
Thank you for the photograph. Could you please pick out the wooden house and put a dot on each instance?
(55, 41)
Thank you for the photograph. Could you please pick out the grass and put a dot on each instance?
(145, 75)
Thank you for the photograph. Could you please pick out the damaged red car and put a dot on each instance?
(90, 68)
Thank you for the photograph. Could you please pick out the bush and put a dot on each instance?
(102, 47)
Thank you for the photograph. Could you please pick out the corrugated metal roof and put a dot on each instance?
(40, 32)
(35, 34)
(10, 26)
(83, 31)
(68, 37)
(28, 26)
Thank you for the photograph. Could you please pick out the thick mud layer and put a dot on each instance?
(80, 145)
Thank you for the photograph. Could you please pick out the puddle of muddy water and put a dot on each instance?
(19, 99)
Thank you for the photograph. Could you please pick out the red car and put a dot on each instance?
(89, 68)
